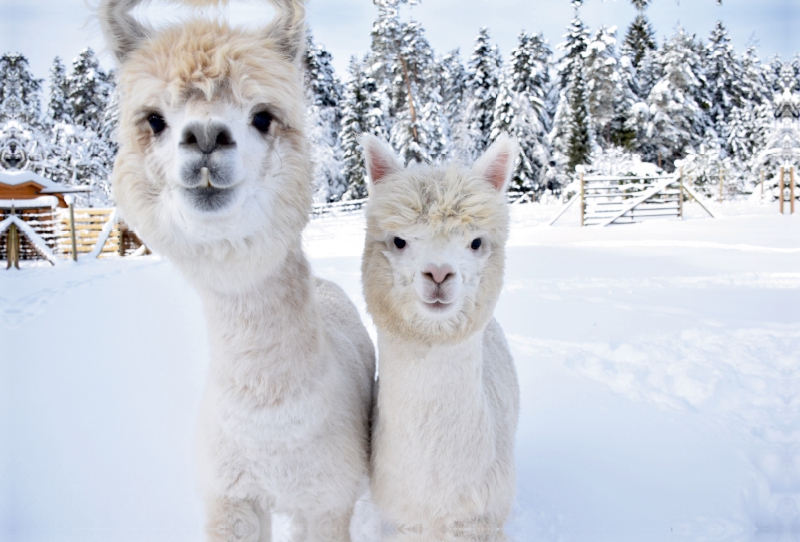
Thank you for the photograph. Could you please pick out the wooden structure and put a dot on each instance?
(39, 222)
(97, 233)
(36, 201)
(606, 199)
(27, 185)
(786, 188)
(623, 200)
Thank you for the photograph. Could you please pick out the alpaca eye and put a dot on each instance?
(399, 243)
(476, 244)
(262, 121)
(157, 123)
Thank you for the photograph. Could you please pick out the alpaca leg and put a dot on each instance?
(331, 527)
(238, 521)
(265, 519)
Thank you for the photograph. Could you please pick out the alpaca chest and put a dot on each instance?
(436, 437)
(284, 453)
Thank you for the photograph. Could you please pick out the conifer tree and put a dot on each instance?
(678, 103)
(19, 91)
(571, 136)
(579, 139)
(521, 111)
(418, 132)
(454, 82)
(89, 91)
(755, 82)
(602, 82)
(483, 78)
(323, 97)
(361, 113)
(639, 40)
(58, 109)
(724, 75)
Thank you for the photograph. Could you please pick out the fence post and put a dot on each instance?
(721, 178)
(780, 190)
(762, 185)
(71, 203)
(12, 245)
(680, 198)
(791, 189)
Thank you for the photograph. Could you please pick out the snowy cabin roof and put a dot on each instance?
(27, 185)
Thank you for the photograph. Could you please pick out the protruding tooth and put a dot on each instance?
(205, 178)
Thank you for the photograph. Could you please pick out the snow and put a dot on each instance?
(35, 203)
(659, 366)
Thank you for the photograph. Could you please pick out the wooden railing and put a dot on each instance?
(89, 225)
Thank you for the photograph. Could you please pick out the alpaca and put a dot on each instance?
(213, 172)
(448, 402)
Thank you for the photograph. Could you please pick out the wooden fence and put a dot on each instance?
(31, 234)
(89, 229)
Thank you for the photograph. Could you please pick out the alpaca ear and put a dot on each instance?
(380, 158)
(122, 31)
(288, 28)
(497, 164)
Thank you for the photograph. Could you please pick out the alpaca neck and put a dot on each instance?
(266, 339)
(451, 374)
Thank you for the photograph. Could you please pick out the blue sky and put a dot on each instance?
(42, 29)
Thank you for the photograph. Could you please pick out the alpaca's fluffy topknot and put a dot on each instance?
(438, 199)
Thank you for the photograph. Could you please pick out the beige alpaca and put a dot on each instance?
(213, 171)
(443, 440)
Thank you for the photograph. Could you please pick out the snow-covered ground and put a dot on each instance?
(659, 365)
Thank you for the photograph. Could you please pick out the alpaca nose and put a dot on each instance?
(207, 138)
(438, 273)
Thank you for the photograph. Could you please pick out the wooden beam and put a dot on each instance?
(72, 229)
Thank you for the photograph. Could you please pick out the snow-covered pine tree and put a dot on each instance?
(639, 39)
(80, 157)
(323, 96)
(574, 47)
(454, 84)
(483, 80)
(570, 137)
(678, 104)
(320, 77)
(90, 90)
(19, 91)
(746, 135)
(602, 83)
(521, 111)
(636, 78)
(58, 109)
(774, 73)
(755, 83)
(418, 132)
(361, 113)
(579, 140)
(724, 75)
(108, 129)
(384, 59)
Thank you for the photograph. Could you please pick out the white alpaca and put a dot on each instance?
(213, 171)
(447, 409)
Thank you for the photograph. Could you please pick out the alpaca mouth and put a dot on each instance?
(437, 306)
(210, 199)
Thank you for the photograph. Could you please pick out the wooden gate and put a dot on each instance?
(627, 199)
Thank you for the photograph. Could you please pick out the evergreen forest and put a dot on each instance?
(600, 99)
